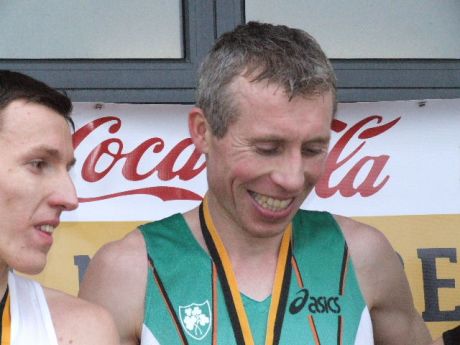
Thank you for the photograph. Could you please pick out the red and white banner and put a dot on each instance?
(394, 165)
(136, 162)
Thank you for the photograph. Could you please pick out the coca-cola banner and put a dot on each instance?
(388, 158)
(394, 165)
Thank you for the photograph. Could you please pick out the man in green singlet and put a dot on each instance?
(248, 266)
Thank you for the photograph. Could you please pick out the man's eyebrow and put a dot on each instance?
(277, 139)
(53, 153)
(320, 140)
(269, 138)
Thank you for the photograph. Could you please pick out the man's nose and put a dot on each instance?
(289, 172)
(64, 195)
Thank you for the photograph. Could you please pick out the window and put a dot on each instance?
(141, 80)
(171, 77)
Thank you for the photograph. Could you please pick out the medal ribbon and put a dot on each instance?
(232, 295)
(5, 330)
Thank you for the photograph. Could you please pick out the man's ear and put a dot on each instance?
(199, 129)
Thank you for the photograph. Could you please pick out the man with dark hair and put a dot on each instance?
(35, 187)
(248, 266)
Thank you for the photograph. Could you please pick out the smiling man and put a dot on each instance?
(35, 187)
(248, 266)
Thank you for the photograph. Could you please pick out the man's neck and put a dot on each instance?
(253, 260)
(239, 241)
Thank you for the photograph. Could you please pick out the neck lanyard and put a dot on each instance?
(5, 330)
(232, 296)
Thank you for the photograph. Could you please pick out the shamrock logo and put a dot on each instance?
(196, 319)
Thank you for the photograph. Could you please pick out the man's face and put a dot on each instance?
(269, 160)
(35, 187)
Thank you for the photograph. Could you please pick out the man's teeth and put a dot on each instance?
(271, 203)
(47, 228)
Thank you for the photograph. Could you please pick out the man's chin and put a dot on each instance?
(30, 269)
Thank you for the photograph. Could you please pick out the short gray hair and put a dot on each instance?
(288, 57)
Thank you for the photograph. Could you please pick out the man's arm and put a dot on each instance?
(116, 279)
(385, 287)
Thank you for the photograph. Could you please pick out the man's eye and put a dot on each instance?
(312, 151)
(38, 164)
(268, 150)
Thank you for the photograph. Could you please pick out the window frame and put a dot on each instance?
(174, 80)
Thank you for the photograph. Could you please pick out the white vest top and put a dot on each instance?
(30, 317)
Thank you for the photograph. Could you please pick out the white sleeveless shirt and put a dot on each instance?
(30, 317)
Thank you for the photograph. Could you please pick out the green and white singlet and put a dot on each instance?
(185, 302)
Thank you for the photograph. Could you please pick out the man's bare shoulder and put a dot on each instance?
(373, 256)
(126, 256)
(116, 279)
(364, 240)
(130, 247)
(79, 322)
(116, 263)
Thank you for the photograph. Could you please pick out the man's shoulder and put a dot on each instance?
(369, 249)
(116, 279)
(118, 263)
(123, 251)
(79, 321)
(63, 305)
(359, 233)
(355, 232)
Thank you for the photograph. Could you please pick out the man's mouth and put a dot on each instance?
(47, 228)
(270, 203)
